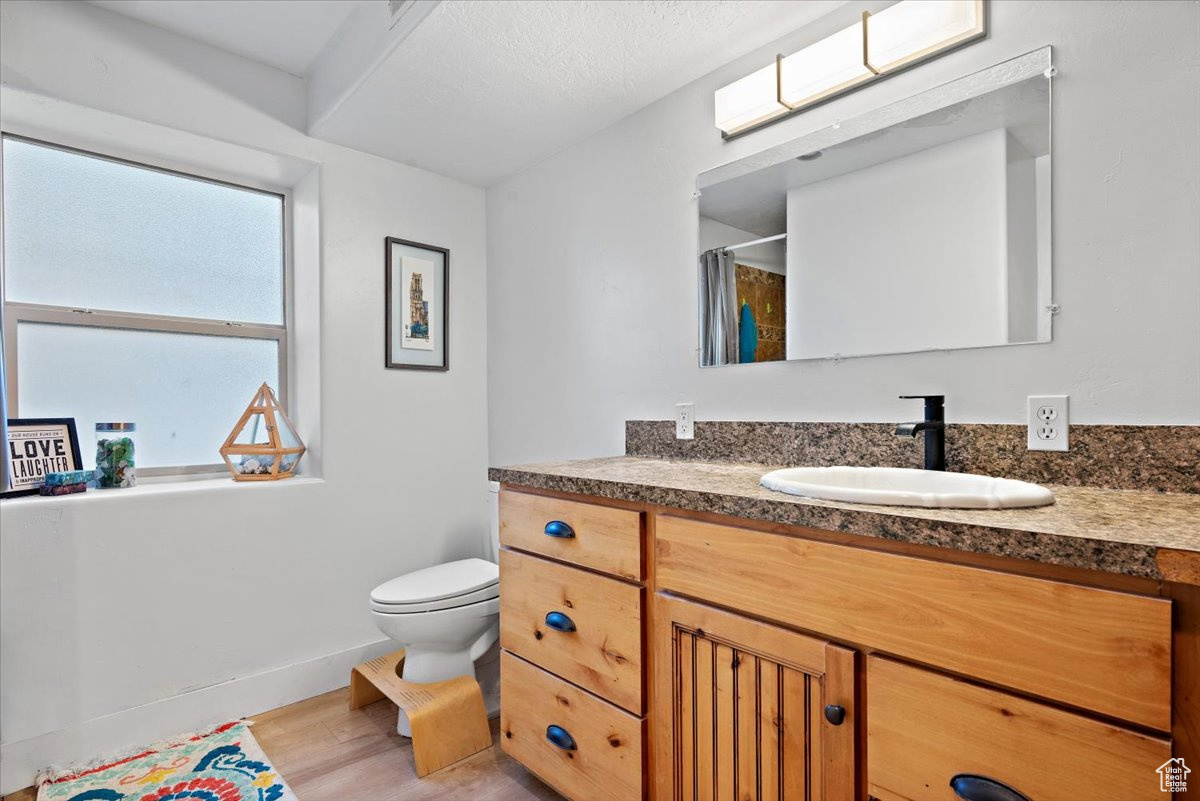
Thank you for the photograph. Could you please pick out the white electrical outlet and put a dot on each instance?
(685, 419)
(1049, 423)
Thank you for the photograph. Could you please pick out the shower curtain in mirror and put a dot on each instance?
(718, 308)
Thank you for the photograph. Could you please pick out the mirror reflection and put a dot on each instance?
(924, 225)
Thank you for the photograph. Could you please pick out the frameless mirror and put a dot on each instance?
(923, 225)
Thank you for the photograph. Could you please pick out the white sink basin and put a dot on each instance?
(898, 486)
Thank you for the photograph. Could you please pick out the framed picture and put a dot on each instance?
(37, 446)
(417, 287)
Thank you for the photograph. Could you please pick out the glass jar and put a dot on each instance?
(115, 464)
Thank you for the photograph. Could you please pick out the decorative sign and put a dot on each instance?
(37, 447)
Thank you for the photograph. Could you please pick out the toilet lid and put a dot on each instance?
(450, 581)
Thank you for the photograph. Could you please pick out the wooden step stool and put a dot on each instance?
(448, 718)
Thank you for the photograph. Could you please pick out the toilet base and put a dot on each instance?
(487, 673)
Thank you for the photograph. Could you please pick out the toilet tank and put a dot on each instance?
(493, 499)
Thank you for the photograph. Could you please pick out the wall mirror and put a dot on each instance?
(922, 225)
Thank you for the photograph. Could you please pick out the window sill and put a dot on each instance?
(165, 486)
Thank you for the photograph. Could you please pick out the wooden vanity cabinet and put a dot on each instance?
(572, 667)
(747, 710)
(1085, 646)
(543, 713)
(602, 651)
(924, 729)
(995, 678)
(590, 535)
(723, 660)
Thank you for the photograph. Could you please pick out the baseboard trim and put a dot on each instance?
(21, 760)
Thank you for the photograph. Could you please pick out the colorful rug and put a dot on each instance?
(226, 764)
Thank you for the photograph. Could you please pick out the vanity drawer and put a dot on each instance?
(605, 761)
(584, 627)
(1092, 648)
(599, 537)
(923, 729)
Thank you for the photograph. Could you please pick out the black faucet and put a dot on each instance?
(934, 426)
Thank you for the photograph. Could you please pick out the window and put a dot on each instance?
(136, 294)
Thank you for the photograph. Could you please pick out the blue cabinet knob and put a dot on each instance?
(557, 528)
(560, 737)
(559, 622)
(971, 787)
(835, 713)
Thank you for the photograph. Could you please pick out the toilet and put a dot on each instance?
(447, 619)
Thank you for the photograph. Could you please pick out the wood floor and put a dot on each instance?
(325, 752)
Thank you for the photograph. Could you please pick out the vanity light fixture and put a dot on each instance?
(878, 45)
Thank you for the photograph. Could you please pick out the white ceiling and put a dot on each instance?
(287, 34)
(481, 90)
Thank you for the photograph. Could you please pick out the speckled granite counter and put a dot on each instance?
(1116, 531)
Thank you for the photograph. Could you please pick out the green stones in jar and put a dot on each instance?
(116, 465)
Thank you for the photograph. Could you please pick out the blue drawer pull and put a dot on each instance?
(559, 736)
(971, 787)
(557, 528)
(559, 622)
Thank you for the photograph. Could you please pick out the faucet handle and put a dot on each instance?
(935, 405)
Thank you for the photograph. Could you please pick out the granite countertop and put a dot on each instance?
(1116, 531)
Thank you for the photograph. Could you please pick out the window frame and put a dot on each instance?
(16, 313)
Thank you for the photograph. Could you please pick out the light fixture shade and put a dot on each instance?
(913, 29)
(824, 68)
(902, 34)
(747, 102)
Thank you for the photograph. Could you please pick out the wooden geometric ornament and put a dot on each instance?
(264, 445)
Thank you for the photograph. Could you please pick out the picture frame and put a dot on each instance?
(37, 446)
(416, 307)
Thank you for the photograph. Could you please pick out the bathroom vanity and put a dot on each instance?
(672, 630)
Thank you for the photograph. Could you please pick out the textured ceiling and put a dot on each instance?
(287, 34)
(481, 90)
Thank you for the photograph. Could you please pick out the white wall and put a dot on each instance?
(116, 611)
(863, 245)
(619, 297)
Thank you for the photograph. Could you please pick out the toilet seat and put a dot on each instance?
(445, 586)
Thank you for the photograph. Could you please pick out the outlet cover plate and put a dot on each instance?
(685, 421)
(1049, 423)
